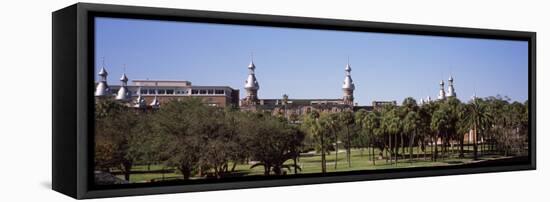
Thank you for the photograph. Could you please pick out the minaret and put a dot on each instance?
(441, 95)
(251, 85)
(451, 92)
(140, 101)
(155, 103)
(348, 86)
(102, 89)
(123, 93)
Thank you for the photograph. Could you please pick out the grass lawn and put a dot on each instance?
(311, 163)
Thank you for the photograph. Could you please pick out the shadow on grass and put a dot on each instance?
(454, 162)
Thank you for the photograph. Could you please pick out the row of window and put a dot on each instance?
(207, 92)
(182, 92)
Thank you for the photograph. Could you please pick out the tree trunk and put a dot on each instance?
(396, 148)
(390, 150)
(411, 143)
(127, 169)
(373, 156)
(475, 141)
(186, 172)
(461, 155)
(336, 160)
(295, 163)
(403, 146)
(323, 163)
(435, 149)
(348, 146)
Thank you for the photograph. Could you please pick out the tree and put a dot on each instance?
(361, 140)
(426, 134)
(119, 136)
(314, 128)
(333, 126)
(440, 125)
(178, 125)
(411, 124)
(454, 106)
(462, 127)
(347, 121)
(371, 125)
(477, 118)
(392, 127)
(271, 141)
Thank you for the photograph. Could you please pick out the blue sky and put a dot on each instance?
(305, 63)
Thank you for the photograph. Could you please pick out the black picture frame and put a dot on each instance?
(72, 100)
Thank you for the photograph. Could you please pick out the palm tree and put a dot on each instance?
(409, 105)
(371, 124)
(361, 140)
(313, 126)
(440, 125)
(392, 127)
(477, 117)
(346, 119)
(333, 126)
(454, 106)
(411, 125)
(462, 127)
(426, 112)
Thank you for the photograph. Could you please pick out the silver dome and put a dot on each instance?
(348, 82)
(140, 101)
(441, 95)
(251, 83)
(251, 65)
(123, 94)
(124, 78)
(102, 89)
(155, 103)
(103, 72)
(451, 89)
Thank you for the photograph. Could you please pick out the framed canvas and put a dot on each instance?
(157, 100)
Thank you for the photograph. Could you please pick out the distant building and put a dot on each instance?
(154, 93)
(442, 94)
(287, 106)
(381, 104)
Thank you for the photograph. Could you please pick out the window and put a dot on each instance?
(210, 91)
(152, 91)
(202, 92)
(143, 91)
(170, 91)
(220, 92)
(162, 91)
(194, 92)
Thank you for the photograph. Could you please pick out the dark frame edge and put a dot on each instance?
(64, 145)
(533, 98)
